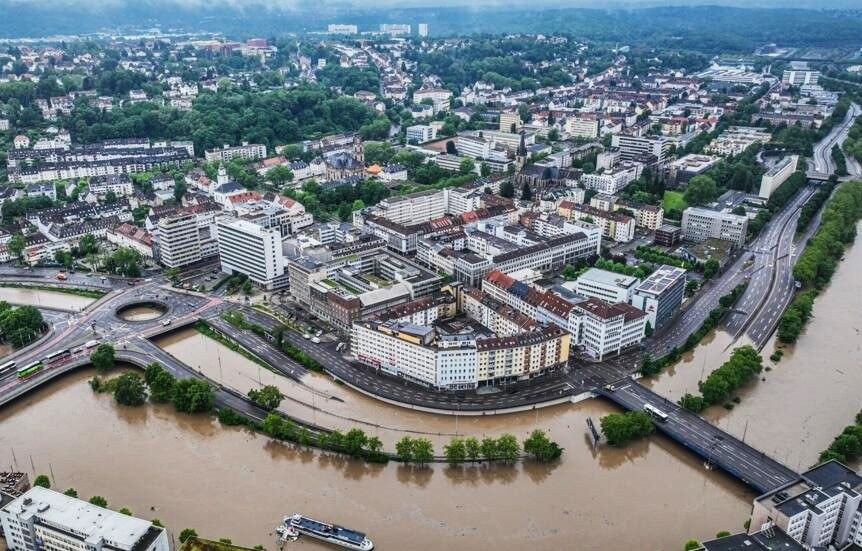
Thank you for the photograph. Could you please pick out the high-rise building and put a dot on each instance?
(633, 146)
(178, 240)
(423, 29)
(250, 249)
(699, 224)
(45, 520)
(800, 78)
(338, 28)
(660, 295)
(395, 29)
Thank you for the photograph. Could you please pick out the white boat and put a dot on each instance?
(332, 533)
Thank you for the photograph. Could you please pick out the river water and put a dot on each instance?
(38, 297)
(228, 482)
(141, 313)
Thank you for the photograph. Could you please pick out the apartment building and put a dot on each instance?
(646, 216)
(120, 185)
(439, 97)
(614, 179)
(423, 30)
(631, 146)
(699, 224)
(777, 175)
(510, 121)
(421, 133)
(178, 241)
(660, 294)
(413, 208)
(804, 77)
(252, 250)
(737, 139)
(548, 255)
(245, 151)
(582, 127)
(614, 225)
(608, 286)
(682, 170)
(609, 328)
(341, 28)
(45, 520)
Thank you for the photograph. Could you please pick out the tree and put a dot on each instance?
(193, 396)
(710, 268)
(130, 390)
(722, 534)
(71, 492)
(20, 325)
(569, 272)
(88, 245)
(619, 429)
(157, 522)
(247, 287)
(160, 382)
(345, 212)
(455, 451)
(508, 448)
(103, 357)
(700, 191)
(423, 451)
(553, 134)
(187, 533)
(125, 511)
(64, 258)
(125, 261)
(691, 545)
(467, 166)
(43, 481)
(450, 148)
(540, 447)
(507, 189)
(472, 448)
(648, 330)
(180, 190)
(279, 175)
(404, 449)
(489, 448)
(99, 501)
(269, 397)
(485, 169)
(354, 442)
(16, 246)
(374, 444)
(526, 192)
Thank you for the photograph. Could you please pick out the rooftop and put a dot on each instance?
(609, 278)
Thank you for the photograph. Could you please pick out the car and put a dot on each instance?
(319, 332)
(306, 336)
(315, 340)
(166, 323)
(131, 283)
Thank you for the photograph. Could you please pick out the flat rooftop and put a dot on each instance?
(605, 277)
(661, 279)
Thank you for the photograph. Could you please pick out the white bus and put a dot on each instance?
(5, 368)
(655, 413)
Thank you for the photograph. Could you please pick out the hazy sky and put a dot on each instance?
(476, 4)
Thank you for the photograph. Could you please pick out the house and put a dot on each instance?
(394, 173)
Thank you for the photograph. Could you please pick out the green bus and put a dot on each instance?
(29, 369)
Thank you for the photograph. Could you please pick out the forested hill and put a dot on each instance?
(713, 28)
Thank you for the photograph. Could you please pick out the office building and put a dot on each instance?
(667, 236)
(777, 175)
(178, 241)
(510, 121)
(245, 151)
(439, 98)
(614, 225)
(631, 147)
(582, 127)
(421, 133)
(252, 250)
(737, 139)
(395, 29)
(423, 29)
(614, 179)
(660, 294)
(608, 286)
(682, 170)
(609, 328)
(699, 224)
(45, 520)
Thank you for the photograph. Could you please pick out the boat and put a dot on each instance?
(287, 533)
(332, 533)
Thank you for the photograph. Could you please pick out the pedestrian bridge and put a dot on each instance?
(715, 446)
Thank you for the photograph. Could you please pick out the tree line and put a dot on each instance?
(744, 364)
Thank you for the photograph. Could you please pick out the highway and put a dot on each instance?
(715, 446)
(822, 163)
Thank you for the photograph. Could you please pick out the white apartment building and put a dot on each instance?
(777, 175)
(45, 520)
(178, 240)
(423, 30)
(795, 77)
(421, 133)
(395, 29)
(608, 286)
(634, 146)
(413, 208)
(245, 151)
(120, 185)
(737, 139)
(247, 248)
(608, 158)
(440, 97)
(699, 224)
(510, 121)
(660, 294)
(581, 127)
(475, 146)
(614, 179)
(614, 225)
(341, 28)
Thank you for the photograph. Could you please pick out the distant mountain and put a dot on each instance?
(708, 28)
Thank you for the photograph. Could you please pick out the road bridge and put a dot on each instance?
(717, 447)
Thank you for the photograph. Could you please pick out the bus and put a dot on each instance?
(58, 356)
(655, 413)
(29, 369)
(8, 366)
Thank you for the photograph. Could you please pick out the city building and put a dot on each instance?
(120, 185)
(423, 30)
(421, 133)
(341, 28)
(252, 250)
(699, 224)
(245, 151)
(45, 520)
(614, 225)
(660, 294)
(631, 146)
(510, 121)
(609, 328)
(178, 241)
(646, 216)
(777, 175)
(804, 77)
(667, 235)
(439, 98)
(613, 179)
(736, 139)
(608, 286)
(395, 29)
(682, 170)
(582, 127)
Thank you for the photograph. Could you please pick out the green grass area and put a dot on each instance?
(89, 293)
(673, 200)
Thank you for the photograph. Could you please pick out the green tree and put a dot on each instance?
(103, 357)
(20, 325)
(508, 449)
(620, 429)
(700, 191)
(193, 396)
(247, 287)
(467, 166)
(423, 451)
(71, 492)
(526, 192)
(553, 134)
(268, 397)
(279, 175)
(489, 449)
(540, 447)
(404, 449)
(507, 189)
(16, 246)
(472, 448)
(43, 481)
(99, 501)
(722, 534)
(375, 445)
(88, 245)
(160, 382)
(455, 451)
(710, 268)
(125, 511)
(354, 442)
(569, 272)
(485, 169)
(691, 545)
(157, 522)
(187, 533)
(130, 390)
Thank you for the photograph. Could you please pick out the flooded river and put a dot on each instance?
(228, 482)
(49, 299)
